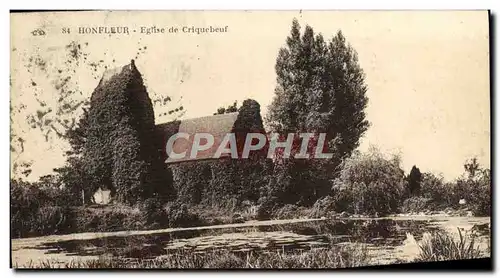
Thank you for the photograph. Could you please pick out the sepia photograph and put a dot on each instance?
(294, 139)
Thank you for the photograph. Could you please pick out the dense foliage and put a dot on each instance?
(43, 209)
(227, 182)
(38, 208)
(190, 180)
(414, 179)
(320, 89)
(114, 144)
(473, 188)
(369, 184)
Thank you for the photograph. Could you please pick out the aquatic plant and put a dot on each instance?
(332, 257)
(441, 246)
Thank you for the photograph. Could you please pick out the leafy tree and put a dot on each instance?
(472, 168)
(72, 176)
(434, 188)
(414, 179)
(76, 136)
(320, 89)
(475, 187)
(369, 183)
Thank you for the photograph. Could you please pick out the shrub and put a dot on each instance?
(481, 200)
(439, 193)
(474, 187)
(39, 209)
(180, 216)
(249, 210)
(107, 219)
(342, 198)
(478, 192)
(52, 220)
(266, 208)
(370, 184)
(415, 204)
(155, 215)
(289, 211)
(45, 220)
(324, 207)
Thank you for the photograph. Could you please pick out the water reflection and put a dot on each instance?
(286, 237)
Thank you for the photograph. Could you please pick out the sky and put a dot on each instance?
(427, 72)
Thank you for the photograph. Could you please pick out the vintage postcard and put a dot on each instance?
(249, 139)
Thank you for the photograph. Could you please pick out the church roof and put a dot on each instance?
(217, 125)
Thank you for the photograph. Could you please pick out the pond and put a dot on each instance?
(389, 240)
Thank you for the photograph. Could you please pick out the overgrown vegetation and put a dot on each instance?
(227, 183)
(38, 210)
(333, 257)
(441, 246)
(369, 184)
(320, 89)
(471, 191)
(119, 147)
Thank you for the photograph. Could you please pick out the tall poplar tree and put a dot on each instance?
(320, 89)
